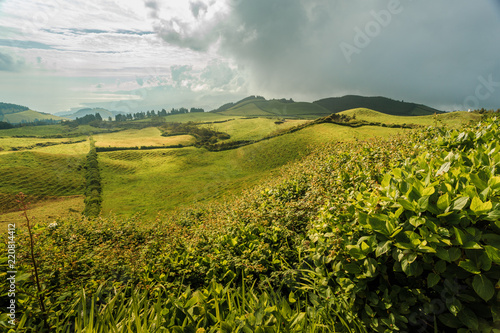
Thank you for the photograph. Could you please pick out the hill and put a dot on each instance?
(105, 114)
(15, 114)
(381, 104)
(257, 106)
(451, 119)
(7, 108)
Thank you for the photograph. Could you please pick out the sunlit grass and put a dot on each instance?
(150, 136)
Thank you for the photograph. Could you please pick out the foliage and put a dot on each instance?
(6, 108)
(93, 188)
(381, 235)
(424, 243)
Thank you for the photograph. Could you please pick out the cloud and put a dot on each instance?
(429, 52)
(219, 75)
(25, 44)
(197, 8)
(9, 64)
(180, 73)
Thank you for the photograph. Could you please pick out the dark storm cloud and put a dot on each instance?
(438, 53)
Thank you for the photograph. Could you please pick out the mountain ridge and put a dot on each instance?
(259, 106)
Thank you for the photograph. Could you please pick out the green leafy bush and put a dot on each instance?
(425, 243)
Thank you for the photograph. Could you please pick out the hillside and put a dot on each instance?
(379, 235)
(15, 114)
(257, 106)
(381, 104)
(451, 119)
(6, 108)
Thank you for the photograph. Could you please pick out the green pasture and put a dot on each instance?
(40, 176)
(150, 136)
(51, 130)
(163, 179)
(253, 128)
(452, 119)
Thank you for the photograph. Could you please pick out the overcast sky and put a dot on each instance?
(134, 55)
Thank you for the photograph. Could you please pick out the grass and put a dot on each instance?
(195, 117)
(165, 179)
(28, 116)
(80, 148)
(254, 128)
(48, 210)
(452, 119)
(247, 110)
(305, 109)
(162, 180)
(150, 136)
(49, 130)
(10, 143)
(40, 176)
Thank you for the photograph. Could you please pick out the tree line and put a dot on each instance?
(153, 114)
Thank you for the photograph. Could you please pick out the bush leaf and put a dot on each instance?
(483, 287)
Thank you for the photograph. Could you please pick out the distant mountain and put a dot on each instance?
(15, 114)
(381, 104)
(255, 106)
(105, 114)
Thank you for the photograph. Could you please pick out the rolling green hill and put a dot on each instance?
(451, 119)
(15, 114)
(381, 104)
(256, 106)
(6, 108)
(29, 116)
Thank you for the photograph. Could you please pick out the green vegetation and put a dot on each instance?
(381, 104)
(29, 117)
(380, 235)
(38, 175)
(257, 106)
(93, 188)
(7, 108)
(453, 119)
(350, 230)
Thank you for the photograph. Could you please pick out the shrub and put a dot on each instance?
(424, 244)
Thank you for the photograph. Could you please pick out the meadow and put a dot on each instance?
(299, 232)
(149, 181)
(373, 235)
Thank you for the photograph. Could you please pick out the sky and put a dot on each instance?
(138, 55)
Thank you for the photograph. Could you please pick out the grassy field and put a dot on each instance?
(43, 177)
(247, 110)
(164, 179)
(49, 210)
(151, 181)
(150, 136)
(453, 119)
(254, 128)
(194, 117)
(29, 143)
(28, 116)
(50, 130)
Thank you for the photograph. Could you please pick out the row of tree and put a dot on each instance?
(153, 113)
(93, 188)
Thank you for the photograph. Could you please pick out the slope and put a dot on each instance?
(15, 114)
(381, 104)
